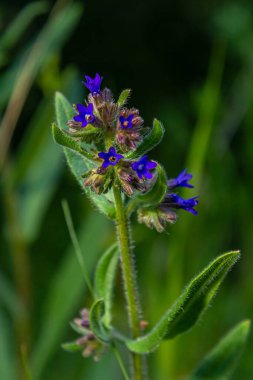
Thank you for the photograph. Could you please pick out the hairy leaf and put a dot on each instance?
(96, 321)
(194, 300)
(104, 278)
(220, 363)
(153, 138)
(123, 97)
(67, 141)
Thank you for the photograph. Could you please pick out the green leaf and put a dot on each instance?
(154, 196)
(63, 110)
(79, 329)
(80, 164)
(123, 97)
(153, 138)
(62, 138)
(104, 278)
(220, 363)
(190, 306)
(72, 347)
(96, 321)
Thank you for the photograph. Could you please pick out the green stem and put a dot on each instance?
(120, 361)
(129, 280)
(76, 245)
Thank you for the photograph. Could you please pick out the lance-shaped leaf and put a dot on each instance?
(194, 300)
(67, 141)
(72, 346)
(77, 162)
(220, 363)
(153, 196)
(104, 279)
(96, 321)
(153, 138)
(123, 97)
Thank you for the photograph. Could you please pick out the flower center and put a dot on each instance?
(88, 117)
(125, 123)
(140, 167)
(112, 159)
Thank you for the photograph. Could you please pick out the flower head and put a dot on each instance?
(93, 84)
(181, 180)
(85, 116)
(126, 122)
(110, 158)
(175, 201)
(143, 167)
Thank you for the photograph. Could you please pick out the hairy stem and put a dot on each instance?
(129, 280)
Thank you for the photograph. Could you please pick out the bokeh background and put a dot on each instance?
(190, 64)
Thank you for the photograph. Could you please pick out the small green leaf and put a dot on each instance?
(62, 138)
(220, 363)
(72, 347)
(104, 278)
(189, 307)
(96, 321)
(123, 97)
(153, 138)
(154, 196)
(79, 329)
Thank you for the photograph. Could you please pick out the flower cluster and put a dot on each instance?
(121, 130)
(88, 343)
(163, 213)
(115, 133)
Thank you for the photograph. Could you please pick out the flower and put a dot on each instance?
(126, 122)
(93, 84)
(181, 180)
(175, 201)
(130, 181)
(85, 114)
(143, 167)
(88, 343)
(110, 158)
(156, 217)
(129, 129)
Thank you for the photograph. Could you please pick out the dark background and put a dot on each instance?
(190, 64)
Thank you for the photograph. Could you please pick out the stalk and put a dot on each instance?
(129, 280)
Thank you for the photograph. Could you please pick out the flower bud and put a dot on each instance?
(100, 180)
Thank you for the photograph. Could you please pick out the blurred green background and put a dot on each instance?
(190, 64)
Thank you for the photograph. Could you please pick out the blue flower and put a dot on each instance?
(110, 158)
(181, 180)
(93, 84)
(175, 201)
(126, 122)
(143, 166)
(85, 114)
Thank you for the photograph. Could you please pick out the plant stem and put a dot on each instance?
(129, 280)
(120, 361)
(76, 245)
